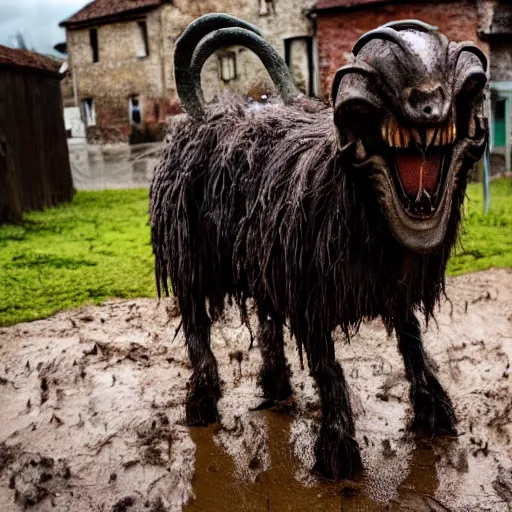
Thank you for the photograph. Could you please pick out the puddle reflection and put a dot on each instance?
(217, 485)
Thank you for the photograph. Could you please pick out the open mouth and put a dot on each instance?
(419, 160)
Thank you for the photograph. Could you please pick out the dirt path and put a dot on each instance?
(91, 413)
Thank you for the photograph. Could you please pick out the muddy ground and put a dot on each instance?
(91, 416)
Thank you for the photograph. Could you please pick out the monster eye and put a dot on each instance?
(362, 69)
(473, 84)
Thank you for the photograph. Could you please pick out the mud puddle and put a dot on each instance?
(92, 416)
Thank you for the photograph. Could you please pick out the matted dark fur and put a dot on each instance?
(266, 203)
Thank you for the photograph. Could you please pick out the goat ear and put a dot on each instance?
(360, 68)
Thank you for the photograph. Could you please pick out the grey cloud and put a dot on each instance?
(37, 20)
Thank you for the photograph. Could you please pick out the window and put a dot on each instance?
(142, 40)
(134, 110)
(299, 57)
(89, 112)
(93, 37)
(227, 64)
(267, 7)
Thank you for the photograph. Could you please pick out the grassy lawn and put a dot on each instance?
(487, 239)
(84, 252)
(99, 247)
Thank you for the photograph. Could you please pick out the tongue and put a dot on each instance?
(419, 173)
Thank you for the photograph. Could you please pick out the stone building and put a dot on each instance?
(121, 58)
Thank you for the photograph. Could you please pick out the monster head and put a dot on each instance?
(410, 105)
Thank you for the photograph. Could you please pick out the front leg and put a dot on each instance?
(274, 377)
(433, 409)
(336, 450)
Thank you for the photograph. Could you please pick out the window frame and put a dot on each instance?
(94, 44)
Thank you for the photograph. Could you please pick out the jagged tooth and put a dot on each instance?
(416, 135)
(450, 133)
(437, 139)
(429, 136)
(454, 132)
(406, 136)
(444, 135)
(383, 131)
(472, 128)
(391, 130)
(396, 136)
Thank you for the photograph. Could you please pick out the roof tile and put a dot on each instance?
(100, 9)
(13, 57)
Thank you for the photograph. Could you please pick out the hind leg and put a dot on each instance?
(204, 385)
(433, 409)
(274, 377)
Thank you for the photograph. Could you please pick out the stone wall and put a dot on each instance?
(286, 19)
(337, 32)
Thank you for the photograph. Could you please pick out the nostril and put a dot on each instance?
(427, 110)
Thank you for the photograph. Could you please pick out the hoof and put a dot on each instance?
(201, 411)
(203, 395)
(276, 385)
(337, 456)
(433, 411)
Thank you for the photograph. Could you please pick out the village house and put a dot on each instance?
(121, 59)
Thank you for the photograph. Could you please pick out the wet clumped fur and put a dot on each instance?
(275, 202)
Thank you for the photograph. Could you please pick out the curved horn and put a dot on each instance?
(471, 48)
(274, 64)
(386, 34)
(418, 25)
(361, 68)
(184, 49)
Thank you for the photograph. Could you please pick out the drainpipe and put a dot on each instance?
(508, 131)
(316, 68)
(75, 85)
(162, 54)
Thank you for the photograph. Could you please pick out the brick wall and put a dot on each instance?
(338, 31)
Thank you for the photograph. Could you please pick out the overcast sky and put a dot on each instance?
(37, 20)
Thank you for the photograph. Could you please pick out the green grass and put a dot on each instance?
(99, 246)
(84, 252)
(487, 239)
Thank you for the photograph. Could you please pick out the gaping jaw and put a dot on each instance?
(416, 184)
(418, 160)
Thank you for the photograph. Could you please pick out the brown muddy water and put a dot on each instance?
(92, 416)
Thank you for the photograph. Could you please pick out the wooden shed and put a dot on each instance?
(34, 160)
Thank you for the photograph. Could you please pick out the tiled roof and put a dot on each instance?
(332, 4)
(102, 10)
(13, 57)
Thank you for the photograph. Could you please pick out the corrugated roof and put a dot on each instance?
(333, 4)
(100, 10)
(25, 59)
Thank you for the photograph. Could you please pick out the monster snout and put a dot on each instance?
(426, 104)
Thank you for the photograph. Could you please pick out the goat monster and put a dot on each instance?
(324, 216)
